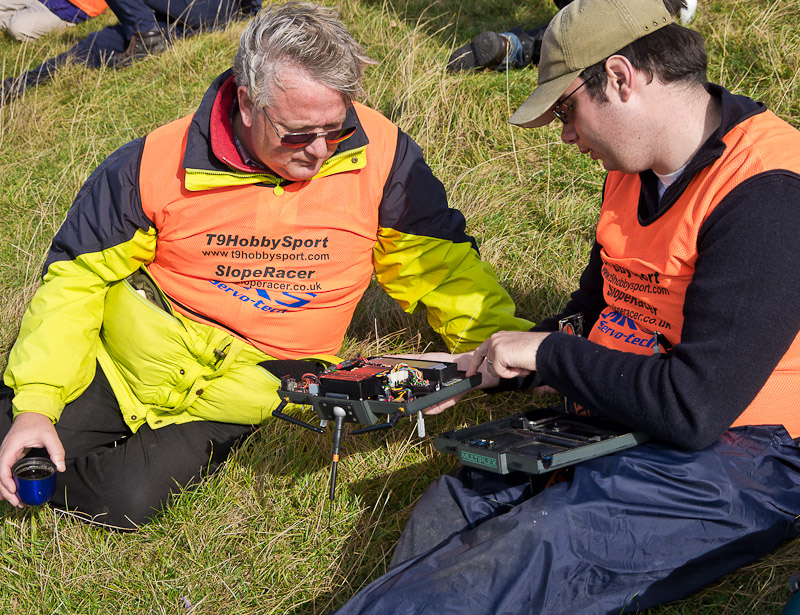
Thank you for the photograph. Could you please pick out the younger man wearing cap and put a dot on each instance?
(695, 268)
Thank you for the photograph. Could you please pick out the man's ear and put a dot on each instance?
(247, 108)
(620, 74)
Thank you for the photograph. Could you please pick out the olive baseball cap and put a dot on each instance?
(580, 35)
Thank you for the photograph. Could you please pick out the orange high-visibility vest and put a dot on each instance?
(281, 267)
(646, 270)
(91, 7)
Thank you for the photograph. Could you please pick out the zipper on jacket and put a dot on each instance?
(141, 282)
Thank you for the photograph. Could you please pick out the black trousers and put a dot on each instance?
(119, 478)
(625, 533)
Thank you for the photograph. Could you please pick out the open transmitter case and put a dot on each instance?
(366, 391)
(537, 441)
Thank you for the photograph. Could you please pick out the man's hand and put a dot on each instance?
(507, 354)
(30, 430)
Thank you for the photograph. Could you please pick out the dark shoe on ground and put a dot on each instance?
(142, 45)
(486, 50)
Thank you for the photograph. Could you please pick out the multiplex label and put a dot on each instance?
(489, 462)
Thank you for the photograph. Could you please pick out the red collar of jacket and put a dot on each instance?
(221, 129)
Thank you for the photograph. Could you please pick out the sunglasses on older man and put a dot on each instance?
(302, 139)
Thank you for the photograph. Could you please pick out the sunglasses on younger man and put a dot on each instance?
(561, 109)
(302, 139)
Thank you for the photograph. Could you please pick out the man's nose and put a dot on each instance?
(318, 147)
(568, 134)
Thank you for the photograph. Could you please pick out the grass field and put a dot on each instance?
(255, 538)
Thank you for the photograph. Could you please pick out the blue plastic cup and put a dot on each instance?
(35, 478)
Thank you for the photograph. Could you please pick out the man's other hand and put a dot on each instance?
(507, 354)
(30, 430)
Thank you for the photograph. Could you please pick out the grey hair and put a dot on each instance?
(304, 36)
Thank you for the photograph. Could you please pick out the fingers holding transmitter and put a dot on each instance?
(507, 354)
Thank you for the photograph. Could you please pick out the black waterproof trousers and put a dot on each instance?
(625, 533)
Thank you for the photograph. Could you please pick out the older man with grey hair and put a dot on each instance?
(201, 263)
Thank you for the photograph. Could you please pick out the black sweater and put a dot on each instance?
(742, 310)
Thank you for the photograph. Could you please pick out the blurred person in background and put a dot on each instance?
(520, 47)
(27, 20)
(144, 29)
